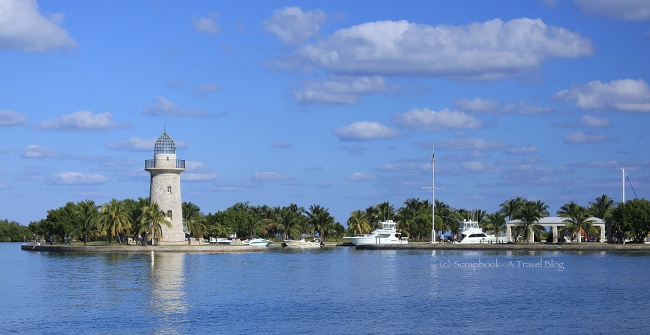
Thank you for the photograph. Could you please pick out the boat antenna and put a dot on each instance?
(625, 176)
(433, 195)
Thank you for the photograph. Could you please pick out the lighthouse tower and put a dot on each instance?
(165, 187)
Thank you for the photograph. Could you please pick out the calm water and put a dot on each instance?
(332, 291)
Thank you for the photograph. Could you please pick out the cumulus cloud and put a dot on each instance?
(269, 176)
(292, 26)
(360, 131)
(11, 118)
(467, 144)
(523, 150)
(360, 176)
(81, 120)
(633, 10)
(204, 90)
(139, 144)
(78, 178)
(580, 137)
(478, 51)
(162, 106)
(196, 171)
(281, 144)
(207, 25)
(426, 119)
(340, 90)
(479, 167)
(624, 95)
(491, 106)
(23, 28)
(595, 122)
(36, 151)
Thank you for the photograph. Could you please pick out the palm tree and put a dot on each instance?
(86, 219)
(495, 222)
(577, 219)
(385, 210)
(357, 223)
(528, 215)
(601, 209)
(510, 207)
(152, 220)
(114, 219)
(192, 218)
(321, 220)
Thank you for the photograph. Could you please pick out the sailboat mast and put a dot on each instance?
(623, 186)
(433, 196)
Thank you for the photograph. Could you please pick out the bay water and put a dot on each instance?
(324, 291)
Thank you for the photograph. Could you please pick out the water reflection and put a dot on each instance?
(167, 291)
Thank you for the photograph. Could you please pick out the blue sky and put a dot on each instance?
(336, 103)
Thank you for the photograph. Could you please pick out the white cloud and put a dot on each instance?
(478, 51)
(580, 137)
(633, 10)
(468, 144)
(595, 122)
(625, 95)
(133, 144)
(204, 90)
(207, 25)
(404, 167)
(340, 90)
(81, 120)
(360, 176)
(36, 151)
(480, 167)
(23, 28)
(426, 119)
(196, 171)
(292, 26)
(162, 106)
(269, 176)
(359, 131)
(491, 106)
(78, 178)
(524, 150)
(11, 118)
(281, 144)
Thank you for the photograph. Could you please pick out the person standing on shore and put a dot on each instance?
(34, 242)
(51, 240)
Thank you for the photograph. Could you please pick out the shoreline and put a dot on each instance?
(412, 246)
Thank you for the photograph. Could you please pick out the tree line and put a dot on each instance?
(119, 220)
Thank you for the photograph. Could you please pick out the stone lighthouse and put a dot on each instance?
(165, 187)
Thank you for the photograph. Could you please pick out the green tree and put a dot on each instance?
(357, 223)
(577, 219)
(86, 218)
(601, 208)
(193, 219)
(495, 222)
(152, 220)
(528, 215)
(114, 219)
(13, 231)
(321, 220)
(510, 207)
(632, 219)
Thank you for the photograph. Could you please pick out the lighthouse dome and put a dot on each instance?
(164, 145)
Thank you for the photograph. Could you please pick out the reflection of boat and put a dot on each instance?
(301, 243)
(258, 242)
(385, 234)
(470, 232)
(223, 240)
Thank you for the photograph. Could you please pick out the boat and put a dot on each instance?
(259, 242)
(301, 243)
(385, 234)
(470, 232)
(223, 240)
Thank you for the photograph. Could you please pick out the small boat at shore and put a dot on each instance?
(301, 243)
(259, 242)
(470, 232)
(385, 234)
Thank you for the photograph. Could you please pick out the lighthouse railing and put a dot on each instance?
(151, 164)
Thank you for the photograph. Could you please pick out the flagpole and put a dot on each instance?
(433, 196)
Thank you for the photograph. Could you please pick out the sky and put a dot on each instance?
(335, 103)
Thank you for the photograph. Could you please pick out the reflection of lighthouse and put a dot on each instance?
(165, 187)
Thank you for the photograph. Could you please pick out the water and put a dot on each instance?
(331, 291)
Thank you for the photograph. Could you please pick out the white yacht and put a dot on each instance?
(302, 243)
(385, 234)
(470, 232)
(259, 242)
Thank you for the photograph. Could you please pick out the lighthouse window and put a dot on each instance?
(169, 189)
(168, 158)
(169, 214)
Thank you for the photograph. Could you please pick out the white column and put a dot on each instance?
(509, 232)
(554, 234)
